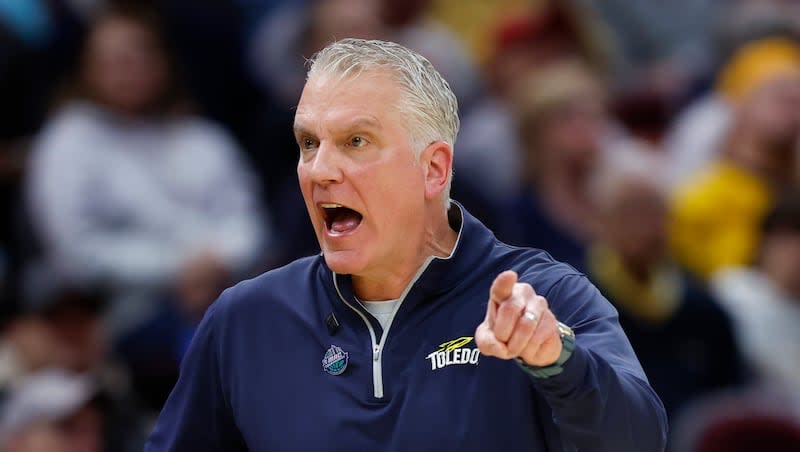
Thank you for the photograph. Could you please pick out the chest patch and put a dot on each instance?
(335, 360)
(454, 352)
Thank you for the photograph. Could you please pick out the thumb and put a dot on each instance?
(502, 286)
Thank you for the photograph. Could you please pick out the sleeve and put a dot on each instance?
(197, 416)
(602, 400)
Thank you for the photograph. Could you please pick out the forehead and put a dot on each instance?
(328, 98)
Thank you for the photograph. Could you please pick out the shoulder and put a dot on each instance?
(71, 127)
(253, 313)
(271, 292)
(567, 290)
(204, 144)
(201, 131)
(538, 267)
(71, 138)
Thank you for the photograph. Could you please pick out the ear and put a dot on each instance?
(437, 164)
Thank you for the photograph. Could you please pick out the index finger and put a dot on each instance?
(502, 286)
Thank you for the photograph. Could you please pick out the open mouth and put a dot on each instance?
(339, 219)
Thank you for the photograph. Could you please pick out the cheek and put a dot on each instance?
(303, 179)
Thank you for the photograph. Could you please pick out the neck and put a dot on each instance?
(640, 272)
(438, 240)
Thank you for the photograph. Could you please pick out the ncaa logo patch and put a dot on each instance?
(335, 360)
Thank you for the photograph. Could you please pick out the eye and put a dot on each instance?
(357, 141)
(307, 143)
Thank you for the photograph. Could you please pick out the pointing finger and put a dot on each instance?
(502, 286)
(509, 311)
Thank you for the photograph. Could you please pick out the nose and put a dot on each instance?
(325, 166)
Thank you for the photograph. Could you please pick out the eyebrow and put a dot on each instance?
(363, 122)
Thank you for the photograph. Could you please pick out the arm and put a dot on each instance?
(601, 400)
(197, 416)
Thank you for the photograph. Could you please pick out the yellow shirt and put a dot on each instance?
(716, 219)
(653, 302)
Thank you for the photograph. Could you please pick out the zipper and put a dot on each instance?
(377, 345)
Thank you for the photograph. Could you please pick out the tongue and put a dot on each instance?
(345, 221)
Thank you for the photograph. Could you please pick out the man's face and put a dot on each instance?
(124, 66)
(634, 222)
(773, 111)
(362, 185)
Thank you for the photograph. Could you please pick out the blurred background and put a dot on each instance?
(147, 162)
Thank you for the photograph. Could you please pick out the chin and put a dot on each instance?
(343, 262)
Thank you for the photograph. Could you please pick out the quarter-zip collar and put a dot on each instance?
(440, 274)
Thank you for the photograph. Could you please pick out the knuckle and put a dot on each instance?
(527, 290)
(550, 331)
(508, 309)
(486, 349)
(514, 351)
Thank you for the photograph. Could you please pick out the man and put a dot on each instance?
(682, 338)
(372, 345)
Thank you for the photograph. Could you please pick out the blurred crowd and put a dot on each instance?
(147, 162)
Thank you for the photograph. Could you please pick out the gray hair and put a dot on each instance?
(427, 101)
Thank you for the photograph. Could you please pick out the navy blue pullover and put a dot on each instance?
(253, 378)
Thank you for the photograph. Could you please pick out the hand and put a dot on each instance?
(518, 324)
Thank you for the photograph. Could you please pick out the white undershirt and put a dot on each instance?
(381, 310)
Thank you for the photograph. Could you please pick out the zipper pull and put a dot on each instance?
(376, 353)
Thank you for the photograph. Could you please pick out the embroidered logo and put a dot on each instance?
(335, 360)
(452, 352)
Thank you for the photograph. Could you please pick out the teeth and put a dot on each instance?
(329, 205)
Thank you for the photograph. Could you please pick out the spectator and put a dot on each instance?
(696, 135)
(562, 121)
(683, 340)
(764, 300)
(52, 411)
(129, 190)
(489, 148)
(61, 327)
(715, 216)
